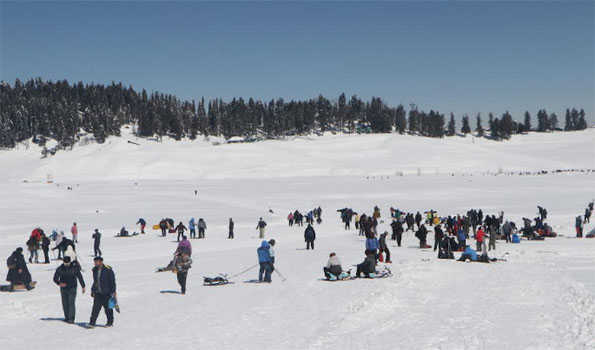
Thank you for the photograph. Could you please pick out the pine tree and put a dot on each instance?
(527, 124)
(452, 125)
(479, 128)
(466, 129)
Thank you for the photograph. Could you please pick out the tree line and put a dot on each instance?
(59, 110)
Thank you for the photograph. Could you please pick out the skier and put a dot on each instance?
(202, 227)
(96, 242)
(66, 277)
(184, 247)
(309, 237)
(265, 262)
(333, 268)
(368, 266)
(260, 227)
(180, 229)
(75, 233)
(192, 228)
(231, 225)
(18, 273)
(45, 247)
(104, 288)
(183, 264)
(142, 224)
(384, 248)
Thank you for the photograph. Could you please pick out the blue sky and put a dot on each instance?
(463, 57)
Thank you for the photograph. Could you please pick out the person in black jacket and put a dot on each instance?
(438, 235)
(104, 287)
(383, 247)
(18, 273)
(66, 277)
(45, 246)
(231, 224)
(64, 245)
(96, 243)
(181, 229)
(397, 227)
(418, 219)
(422, 234)
(309, 237)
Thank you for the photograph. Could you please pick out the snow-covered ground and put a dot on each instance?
(542, 297)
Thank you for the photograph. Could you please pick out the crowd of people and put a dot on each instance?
(452, 233)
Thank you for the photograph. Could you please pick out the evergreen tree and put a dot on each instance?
(479, 129)
(527, 124)
(452, 125)
(466, 129)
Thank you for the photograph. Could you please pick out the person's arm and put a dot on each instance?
(81, 280)
(113, 278)
(57, 277)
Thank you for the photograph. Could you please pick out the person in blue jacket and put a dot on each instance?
(462, 238)
(469, 254)
(192, 227)
(265, 261)
(372, 245)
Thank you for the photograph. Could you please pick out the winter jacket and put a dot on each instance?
(309, 234)
(183, 263)
(372, 244)
(334, 265)
(185, 247)
(264, 255)
(369, 263)
(96, 239)
(104, 281)
(141, 221)
(470, 253)
(191, 224)
(202, 224)
(461, 235)
(382, 242)
(16, 262)
(261, 224)
(69, 275)
(479, 236)
(181, 228)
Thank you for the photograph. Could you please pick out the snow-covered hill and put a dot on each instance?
(362, 155)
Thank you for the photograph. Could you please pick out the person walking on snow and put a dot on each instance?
(192, 228)
(66, 277)
(180, 229)
(96, 243)
(45, 247)
(265, 262)
(272, 250)
(75, 233)
(202, 227)
(260, 227)
(183, 263)
(309, 237)
(104, 288)
(231, 225)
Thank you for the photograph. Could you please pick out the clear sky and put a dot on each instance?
(465, 57)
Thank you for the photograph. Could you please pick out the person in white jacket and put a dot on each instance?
(272, 250)
(333, 267)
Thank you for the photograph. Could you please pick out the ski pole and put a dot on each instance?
(283, 279)
(243, 272)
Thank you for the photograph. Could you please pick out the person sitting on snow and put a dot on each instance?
(368, 266)
(333, 268)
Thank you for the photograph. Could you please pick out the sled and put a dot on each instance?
(216, 281)
(156, 227)
(134, 234)
(7, 287)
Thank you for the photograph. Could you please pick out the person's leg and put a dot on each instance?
(327, 274)
(399, 235)
(72, 304)
(260, 272)
(65, 305)
(46, 256)
(312, 243)
(109, 313)
(95, 310)
(268, 272)
(387, 251)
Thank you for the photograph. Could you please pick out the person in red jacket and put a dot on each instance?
(479, 237)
